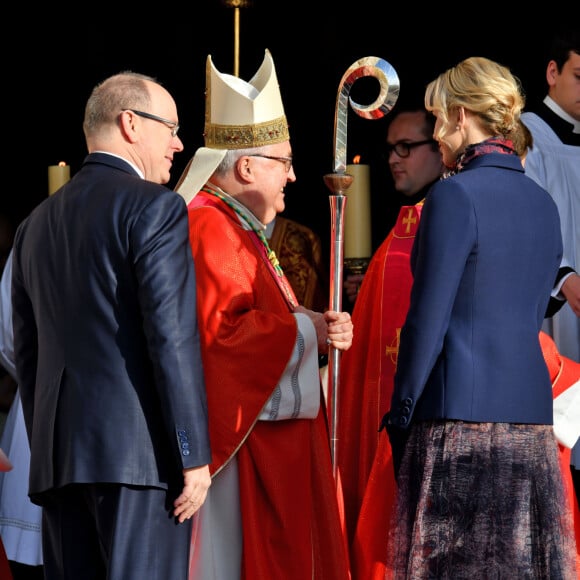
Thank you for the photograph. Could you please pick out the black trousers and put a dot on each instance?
(25, 572)
(113, 532)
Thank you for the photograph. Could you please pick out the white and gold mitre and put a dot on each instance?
(238, 115)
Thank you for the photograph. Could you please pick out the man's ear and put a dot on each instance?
(244, 169)
(127, 126)
(551, 73)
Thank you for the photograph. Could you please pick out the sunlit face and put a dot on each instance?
(451, 144)
(157, 144)
(565, 85)
(413, 158)
(272, 169)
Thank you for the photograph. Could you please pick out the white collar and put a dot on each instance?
(551, 104)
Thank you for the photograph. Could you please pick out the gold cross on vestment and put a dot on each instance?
(409, 221)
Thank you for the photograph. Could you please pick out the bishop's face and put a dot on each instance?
(272, 169)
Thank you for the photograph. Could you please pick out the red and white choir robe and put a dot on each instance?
(565, 376)
(272, 508)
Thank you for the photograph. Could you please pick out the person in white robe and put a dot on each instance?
(556, 166)
(20, 519)
(554, 162)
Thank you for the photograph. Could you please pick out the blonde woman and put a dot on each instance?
(480, 491)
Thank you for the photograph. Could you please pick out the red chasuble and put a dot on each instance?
(290, 517)
(367, 374)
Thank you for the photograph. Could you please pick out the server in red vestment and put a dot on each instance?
(368, 368)
(273, 510)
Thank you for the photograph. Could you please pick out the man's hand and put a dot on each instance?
(196, 483)
(332, 328)
(340, 329)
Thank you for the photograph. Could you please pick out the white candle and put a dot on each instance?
(357, 214)
(58, 175)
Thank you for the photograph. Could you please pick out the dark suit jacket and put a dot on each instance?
(484, 262)
(105, 333)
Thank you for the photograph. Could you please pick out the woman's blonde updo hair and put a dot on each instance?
(482, 86)
(522, 139)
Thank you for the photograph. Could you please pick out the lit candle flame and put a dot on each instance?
(356, 159)
(58, 175)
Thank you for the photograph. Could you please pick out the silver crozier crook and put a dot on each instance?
(338, 182)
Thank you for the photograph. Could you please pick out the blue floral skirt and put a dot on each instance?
(481, 501)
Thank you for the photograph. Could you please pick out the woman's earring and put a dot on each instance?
(457, 127)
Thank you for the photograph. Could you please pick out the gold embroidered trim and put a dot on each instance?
(246, 136)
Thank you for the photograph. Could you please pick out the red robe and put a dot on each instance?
(290, 517)
(368, 370)
(564, 372)
(5, 572)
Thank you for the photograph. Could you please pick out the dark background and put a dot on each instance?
(60, 53)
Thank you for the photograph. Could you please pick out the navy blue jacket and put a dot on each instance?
(106, 341)
(484, 262)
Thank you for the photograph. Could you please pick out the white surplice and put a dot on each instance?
(20, 519)
(556, 167)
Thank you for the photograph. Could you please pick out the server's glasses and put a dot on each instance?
(403, 148)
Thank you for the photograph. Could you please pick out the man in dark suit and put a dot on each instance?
(107, 350)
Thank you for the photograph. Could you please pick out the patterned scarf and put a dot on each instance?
(491, 145)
